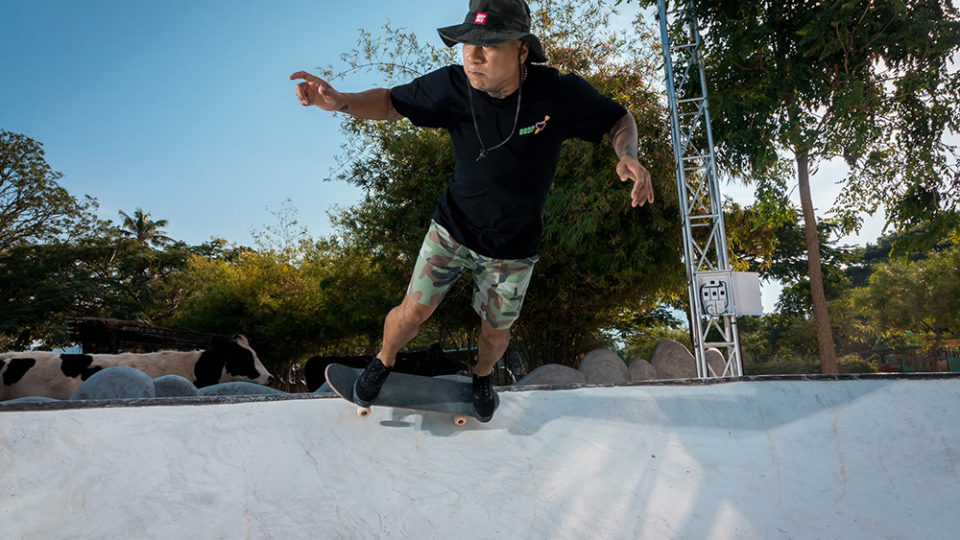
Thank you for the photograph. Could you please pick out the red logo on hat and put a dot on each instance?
(481, 18)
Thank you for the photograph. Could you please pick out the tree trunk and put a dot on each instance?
(821, 318)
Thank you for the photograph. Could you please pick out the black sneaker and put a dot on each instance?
(368, 384)
(484, 397)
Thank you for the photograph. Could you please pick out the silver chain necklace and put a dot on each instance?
(483, 149)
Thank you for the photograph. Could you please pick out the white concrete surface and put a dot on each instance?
(752, 459)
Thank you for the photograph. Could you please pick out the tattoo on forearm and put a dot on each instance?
(344, 108)
(624, 137)
(627, 147)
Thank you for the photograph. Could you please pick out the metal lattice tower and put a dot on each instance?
(704, 238)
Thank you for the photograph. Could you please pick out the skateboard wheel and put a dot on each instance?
(364, 411)
(460, 420)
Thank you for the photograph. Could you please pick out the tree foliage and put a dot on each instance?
(866, 80)
(58, 260)
(877, 301)
(776, 249)
(905, 245)
(102, 276)
(322, 299)
(33, 206)
(911, 297)
(144, 230)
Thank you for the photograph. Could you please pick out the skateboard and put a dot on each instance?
(413, 392)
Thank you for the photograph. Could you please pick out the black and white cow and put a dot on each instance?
(58, 375)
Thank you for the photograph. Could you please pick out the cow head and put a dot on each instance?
(230, 360)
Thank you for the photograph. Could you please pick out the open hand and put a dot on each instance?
(316, 91)
(630, 169)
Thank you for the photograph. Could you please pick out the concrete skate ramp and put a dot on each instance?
(820, 458)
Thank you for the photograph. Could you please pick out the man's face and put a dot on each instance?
(492, 69)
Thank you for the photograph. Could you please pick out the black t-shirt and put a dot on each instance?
(495, 205)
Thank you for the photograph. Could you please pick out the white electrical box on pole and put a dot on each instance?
(717, 294)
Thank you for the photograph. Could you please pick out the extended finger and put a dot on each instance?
(645, 192)
(648, 184)
(642, 191)
(305, 76)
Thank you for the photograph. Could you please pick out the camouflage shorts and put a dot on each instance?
(499, 285)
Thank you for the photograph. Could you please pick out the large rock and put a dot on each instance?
(29, 399)
(118, 382)
(673, 361)
(174, 386)
(515, 364)
(553, 374)
(238, 388)
(716, 361)
(604, 366)
(641, 370)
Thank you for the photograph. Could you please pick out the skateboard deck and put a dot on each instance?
(412, 392)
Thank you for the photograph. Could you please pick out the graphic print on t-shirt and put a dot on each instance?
(536, 128)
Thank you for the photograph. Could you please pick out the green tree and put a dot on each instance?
(777, 249)
(918, 297)
(286, 235)
(39, 285)
(317, 298)
(767, 237)
(862, 80)
(598, 257)
(34, 208)
(104, 276)
(903, 245)
(58, 260)
(144, 230)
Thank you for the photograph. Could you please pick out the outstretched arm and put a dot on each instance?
(623, 137)
(372, 104)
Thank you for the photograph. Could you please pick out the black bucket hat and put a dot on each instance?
(491, 22)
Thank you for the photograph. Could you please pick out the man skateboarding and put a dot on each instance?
(507, 117)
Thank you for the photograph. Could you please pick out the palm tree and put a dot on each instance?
(144, 230)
